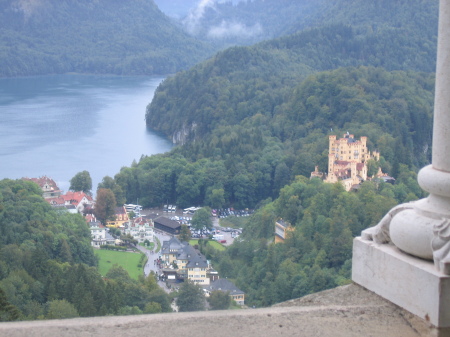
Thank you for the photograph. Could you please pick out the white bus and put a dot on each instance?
(132, 207)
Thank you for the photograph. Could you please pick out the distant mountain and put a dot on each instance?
(239, 22)
(240, 83)
(229, 23)
(102, 36)
(181, 8)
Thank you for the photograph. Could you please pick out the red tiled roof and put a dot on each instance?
(75, 197)
(41, 181)
(90, 218)
(56, 201)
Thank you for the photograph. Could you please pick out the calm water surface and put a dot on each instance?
(60, 125)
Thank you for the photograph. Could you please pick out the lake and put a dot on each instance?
(63, 124)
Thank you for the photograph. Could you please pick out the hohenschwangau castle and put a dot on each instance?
(347, 161)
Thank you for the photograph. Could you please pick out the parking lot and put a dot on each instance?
(224, 235)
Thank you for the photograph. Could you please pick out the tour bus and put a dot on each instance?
(132, 207)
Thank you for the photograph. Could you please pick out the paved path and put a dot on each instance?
(152, 256)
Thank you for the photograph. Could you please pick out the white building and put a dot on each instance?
(140, 229)
(100, 235)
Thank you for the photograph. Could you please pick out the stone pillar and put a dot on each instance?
(422, 228)
(441, 127)
(420, 231)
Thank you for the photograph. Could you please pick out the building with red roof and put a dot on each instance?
(48, 186)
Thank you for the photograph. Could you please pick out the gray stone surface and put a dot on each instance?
(412, 283)
(344, 311)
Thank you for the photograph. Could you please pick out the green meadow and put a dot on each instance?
(128, 261)
(212, 243)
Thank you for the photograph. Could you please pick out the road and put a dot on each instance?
(226, 235)
(152, 256)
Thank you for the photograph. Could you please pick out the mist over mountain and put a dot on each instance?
(240, 83)
(228, 23)
(105, 36)
(180, 8)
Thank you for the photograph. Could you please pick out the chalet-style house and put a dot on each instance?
(182, 261)
(48, 186)
(75, 202)
(121, 217)
(227, 287)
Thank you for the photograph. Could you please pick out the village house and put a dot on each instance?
(186, 260)
(121, 217)
(48, 186)
(197, 268)
(100, 235)
(226, 286)
(80, 200)
(75, 202)
(141, 229)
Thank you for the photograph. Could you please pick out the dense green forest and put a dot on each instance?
(247, 154)
(251, 123)
(102, 37)
(317, 255)
(243, 81)
(262, 113)
(48, 268)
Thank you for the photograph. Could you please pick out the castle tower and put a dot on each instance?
(347, 158)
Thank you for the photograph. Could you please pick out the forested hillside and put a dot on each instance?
(245, 154)
(317, 254)
(242, 81)
(104, 37)
(245, 22)
(47, 264)
(251, 123)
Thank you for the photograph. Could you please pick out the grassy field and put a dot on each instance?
(233, 222)
(129, 261)
(213, 243)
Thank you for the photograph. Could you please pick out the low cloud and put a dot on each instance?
(234, 29)
(195, 15)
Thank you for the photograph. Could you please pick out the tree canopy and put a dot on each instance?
(106, 37)
(219, 300)
(105, 205)
(48, 268)
(81, 181)
(202, 218)
(190, 297)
